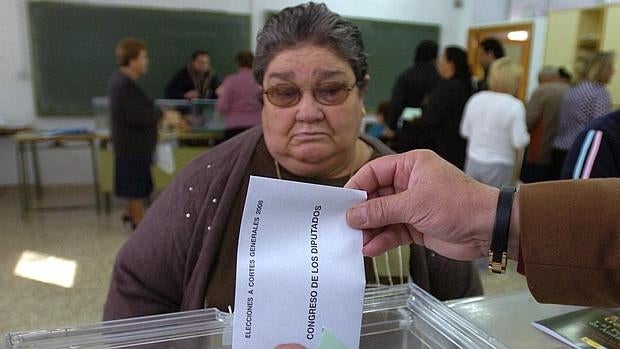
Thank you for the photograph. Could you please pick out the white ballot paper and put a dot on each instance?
(299, 266)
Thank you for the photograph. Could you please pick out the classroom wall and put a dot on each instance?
(16, 90)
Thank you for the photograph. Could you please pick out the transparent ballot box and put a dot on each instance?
(394, 317)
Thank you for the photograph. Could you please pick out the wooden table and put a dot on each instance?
(102, 160)
(10, 130)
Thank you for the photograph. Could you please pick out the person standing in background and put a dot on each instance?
(196, 80)
(587, 100)
(443, 114)
(412, 89)
(490, 50)
(134, 128)
(596, 151)
(542, 116)
(378, 129)
(494, 124)
(238, 102)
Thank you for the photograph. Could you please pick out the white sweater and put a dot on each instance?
(494, 124)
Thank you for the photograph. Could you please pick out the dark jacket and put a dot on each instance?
(410, 90)
(132, 116)
(165, 265)
(596, 151)
(182, 82)
(442, 118)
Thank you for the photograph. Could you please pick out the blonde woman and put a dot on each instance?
(494, 124)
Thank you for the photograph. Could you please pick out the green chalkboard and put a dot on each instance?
(73, 48)
(390, 47)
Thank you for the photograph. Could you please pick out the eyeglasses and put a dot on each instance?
(326, 93)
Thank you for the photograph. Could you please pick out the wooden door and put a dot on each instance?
(517, 50)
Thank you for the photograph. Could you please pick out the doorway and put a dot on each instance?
(516, 39)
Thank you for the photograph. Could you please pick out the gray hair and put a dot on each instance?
(314, 24)
(548, 71)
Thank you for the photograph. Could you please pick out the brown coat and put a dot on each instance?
(570, 241)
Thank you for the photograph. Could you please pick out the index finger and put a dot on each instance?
(375, 174)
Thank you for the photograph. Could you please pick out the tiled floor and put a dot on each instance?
(91, 241)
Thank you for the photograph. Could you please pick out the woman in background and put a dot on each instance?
(238, 102)
(134, 128)
(587, 100)
(443, 114)
(494, 124)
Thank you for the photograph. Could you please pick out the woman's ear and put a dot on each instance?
(363, 85)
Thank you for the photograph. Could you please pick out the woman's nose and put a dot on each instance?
(308, 109)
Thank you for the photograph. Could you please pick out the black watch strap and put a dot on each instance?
(498, 252)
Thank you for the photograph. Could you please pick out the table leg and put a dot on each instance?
(36, 170)
(93, 157)
(22, 176)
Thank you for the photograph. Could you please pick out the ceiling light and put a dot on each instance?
(520, 35)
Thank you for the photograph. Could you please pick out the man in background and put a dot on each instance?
(196, 80)
(490, 50)
(411, 90)
(542, 116)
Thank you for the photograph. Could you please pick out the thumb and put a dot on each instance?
(380, 212)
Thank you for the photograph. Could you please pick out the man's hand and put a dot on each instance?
(191, 94)
(419, 197)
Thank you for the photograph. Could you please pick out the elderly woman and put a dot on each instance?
(134, 128)
(494, 124)
(311, 66)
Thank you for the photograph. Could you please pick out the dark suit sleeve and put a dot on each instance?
(215, 83)
(605, 157)
(439, 105)
(397, 103)
(138, 108)
(176, 88)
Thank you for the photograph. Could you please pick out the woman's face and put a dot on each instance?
(445, 67)
(607, 73)
(140, 64)
(308, 136)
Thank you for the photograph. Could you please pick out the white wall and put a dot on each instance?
(16, 90)
(490, 11)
